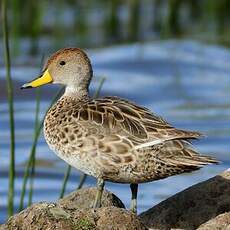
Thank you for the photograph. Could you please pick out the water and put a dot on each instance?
(186, 82)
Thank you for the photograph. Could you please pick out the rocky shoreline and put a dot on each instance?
(203, 206)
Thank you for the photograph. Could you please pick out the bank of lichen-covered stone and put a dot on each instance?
(84, 198)
(192, 207)
(53, 216)
(221, 222)
(74, 212)
(205, 206)
(41, 216)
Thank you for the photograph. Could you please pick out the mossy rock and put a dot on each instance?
(73, 214)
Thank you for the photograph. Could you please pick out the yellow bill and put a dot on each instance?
(45, 78)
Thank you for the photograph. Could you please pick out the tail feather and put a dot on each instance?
(177, 156)
(198, 160)
(184, 134)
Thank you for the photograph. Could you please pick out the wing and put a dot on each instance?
(113, 132)
(118, 116)
(117, 129)
(174, 157)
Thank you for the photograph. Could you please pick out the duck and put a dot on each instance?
(111, 138)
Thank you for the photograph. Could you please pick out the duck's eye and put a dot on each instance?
(62, 63)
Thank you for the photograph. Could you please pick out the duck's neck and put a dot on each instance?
(77, 93)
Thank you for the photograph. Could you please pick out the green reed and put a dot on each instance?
(68, 170)
(11, 109)
(134, 19)
(80, 22)
(82, 180)
(29, 165)
(171, 25)
(65, 180)
(36, 126)
(111, 24)
(169, 19)
(15, 26)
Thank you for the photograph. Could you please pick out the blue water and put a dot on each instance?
(186, 82)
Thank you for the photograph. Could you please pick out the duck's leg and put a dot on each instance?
(134, 188)
(100, 187)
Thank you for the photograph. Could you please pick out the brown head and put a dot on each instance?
(69, 67)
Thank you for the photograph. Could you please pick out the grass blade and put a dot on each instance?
(65, 180)
(11, 110)
(36, 126)
(82, 180)
(31, 157)
(97, 92)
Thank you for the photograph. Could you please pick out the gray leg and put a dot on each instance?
(100, 187)
(134, 188)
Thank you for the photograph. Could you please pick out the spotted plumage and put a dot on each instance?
(111, 138)
(116, 137)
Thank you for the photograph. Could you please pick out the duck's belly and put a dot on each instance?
(114, 173)
(140, 172)
(77, 161)
(91, 162)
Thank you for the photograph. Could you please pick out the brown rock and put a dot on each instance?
(83, 198)
(200, 204)
(117, 218)
(192, 207)
(40, 216)
(221, 222)
(53, 216)
(108, 218)
(72, 212)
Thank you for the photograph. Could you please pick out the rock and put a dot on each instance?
(192, 207)
(72, 213)
(205, 206)
(53, 216)
(221, 222)
(83, 198)
(40, 216)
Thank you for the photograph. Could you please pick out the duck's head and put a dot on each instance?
(69, 67)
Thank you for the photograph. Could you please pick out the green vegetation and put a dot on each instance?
(84, 224)
(98, 23)
(11, 109)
